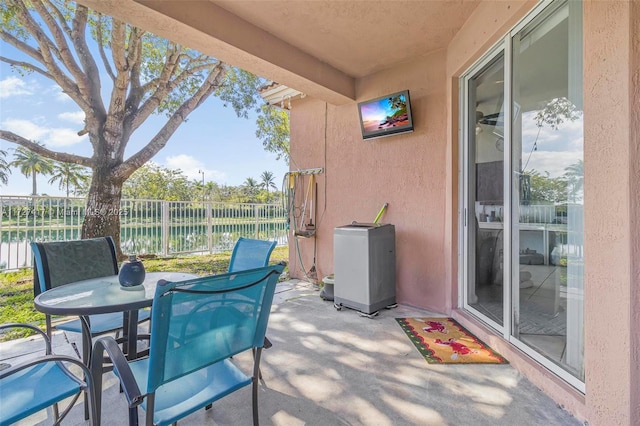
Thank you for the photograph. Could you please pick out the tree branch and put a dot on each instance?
(62, 47)
(162, 88)
(103, 54)
(61, 19)
(135, 54)
(26, 65)
(90, 83)
(48, 48)
(44, 55)
(22, 46)
(39, 149)
(161, 138)
(132, 102)
(117, 103)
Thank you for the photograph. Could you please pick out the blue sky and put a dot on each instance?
(213, 139)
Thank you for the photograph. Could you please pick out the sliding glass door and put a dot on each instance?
(523, 221)
(485, 197)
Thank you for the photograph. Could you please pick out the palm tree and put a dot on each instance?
(69, 175)
(4, 168)
(575, 177)
(398, 102)
(250, 187)
(210, 189)
(30, 164)
(268, 182)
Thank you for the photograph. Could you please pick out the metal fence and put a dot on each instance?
(146, 226)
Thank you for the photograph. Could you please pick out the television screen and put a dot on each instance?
(385, 116)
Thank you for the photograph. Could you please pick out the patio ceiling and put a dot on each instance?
(317, 47)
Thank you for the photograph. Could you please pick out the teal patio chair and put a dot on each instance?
(196, 327)
(62, 262)
(45, 381)
(249, 254)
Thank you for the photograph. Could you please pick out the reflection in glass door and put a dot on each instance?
(486, 189)
(548, 209)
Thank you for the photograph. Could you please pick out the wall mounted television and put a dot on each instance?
(386, 116)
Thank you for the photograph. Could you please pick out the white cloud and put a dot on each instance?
(57, 93)
(49, 136)
(25, 128)
(13, 86)
(63, 137)
(553, 162)
(566, 138)
(74, 117)
(191, 167)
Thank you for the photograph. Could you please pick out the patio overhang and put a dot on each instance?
(319, 48)
(210, 29)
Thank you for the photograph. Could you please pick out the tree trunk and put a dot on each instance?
(102, 216)
(34, 185)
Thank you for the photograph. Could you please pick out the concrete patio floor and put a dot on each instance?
(329, 367)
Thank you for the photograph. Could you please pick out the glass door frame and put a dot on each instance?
(466, 265)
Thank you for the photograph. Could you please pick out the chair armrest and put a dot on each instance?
(120, 367)
(33, 328)
(52, 358)
(87, 383)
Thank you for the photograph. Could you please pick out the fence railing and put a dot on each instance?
(146, 226)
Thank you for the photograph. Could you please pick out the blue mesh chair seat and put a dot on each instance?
(196, 327)
(62, 262)
(42, 382)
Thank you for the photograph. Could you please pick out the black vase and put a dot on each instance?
(131, 272)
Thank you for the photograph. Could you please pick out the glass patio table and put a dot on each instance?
(105, 295)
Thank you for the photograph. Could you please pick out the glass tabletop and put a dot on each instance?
(102, 295)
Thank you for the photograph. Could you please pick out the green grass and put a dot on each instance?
(16, 288)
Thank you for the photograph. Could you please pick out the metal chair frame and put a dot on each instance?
(33, 374)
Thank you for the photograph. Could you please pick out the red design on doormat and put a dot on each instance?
(435, 326)
(458, 348)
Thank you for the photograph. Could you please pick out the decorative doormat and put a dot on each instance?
(444, 341)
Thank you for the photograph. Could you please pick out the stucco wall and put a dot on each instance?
(634, 162)
(406, 171)
(417, 175)
(611, 156)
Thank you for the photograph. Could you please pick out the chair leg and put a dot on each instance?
(86, 355)
(133, 416)
(254, 360)
(48, 323)
(56, 412)
(254, 383)
(254, 398)
(151, 406)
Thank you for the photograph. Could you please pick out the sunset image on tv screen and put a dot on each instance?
(385, 113)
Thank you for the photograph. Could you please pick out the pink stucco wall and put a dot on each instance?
(406, 171)
(417, 174)
(611, 160)
(635, 209)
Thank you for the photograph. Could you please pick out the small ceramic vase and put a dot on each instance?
(131, 273)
